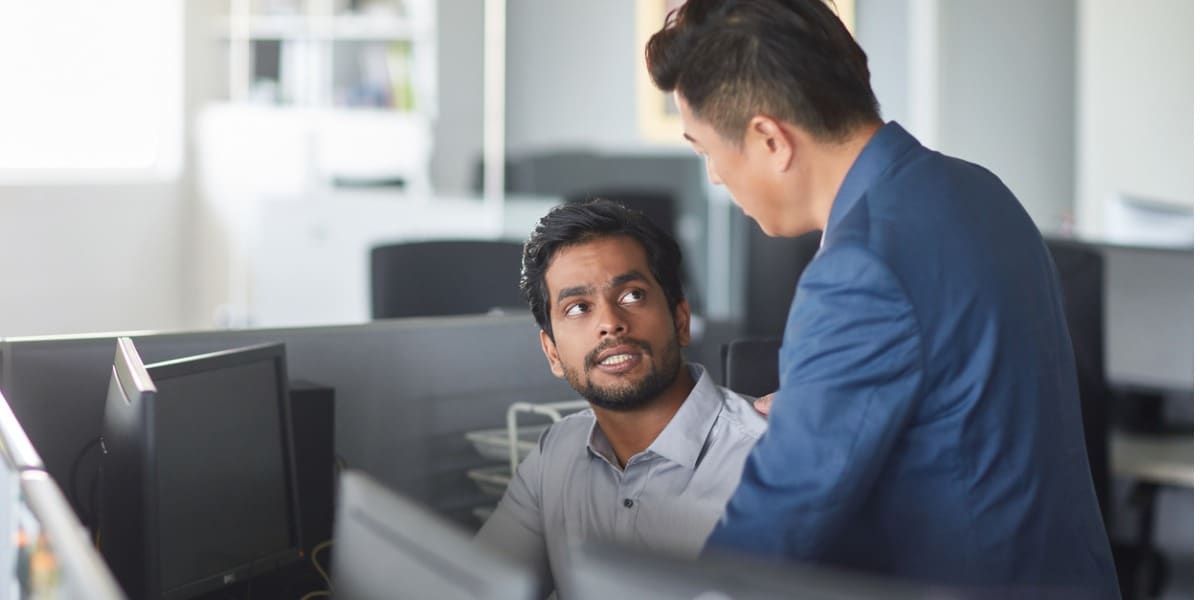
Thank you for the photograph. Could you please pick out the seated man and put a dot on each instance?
(655, 459)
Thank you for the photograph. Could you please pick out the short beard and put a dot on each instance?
(628, 398)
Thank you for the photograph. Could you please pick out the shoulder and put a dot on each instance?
(572, 431)
(739, 417)
(848, 263)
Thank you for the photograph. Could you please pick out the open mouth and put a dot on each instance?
(619, 359)
(619, 363)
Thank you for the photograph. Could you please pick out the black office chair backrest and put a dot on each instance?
(462, 277)
(751, 366)
(1081, 271)
(773, 266)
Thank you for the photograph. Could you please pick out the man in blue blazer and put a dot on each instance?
(927, 424)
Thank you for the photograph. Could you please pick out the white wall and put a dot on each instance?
(571, 75)
(1135, 104)
(1007, 96)
(89, 258)
(458, 131)
(882, 28)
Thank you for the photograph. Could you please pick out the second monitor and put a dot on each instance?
(198, 481)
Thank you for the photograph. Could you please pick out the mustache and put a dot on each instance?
(594, 356)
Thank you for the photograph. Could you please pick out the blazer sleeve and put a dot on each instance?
(850, 375)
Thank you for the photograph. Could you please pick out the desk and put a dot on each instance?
(1153, 461)
(1158, 459)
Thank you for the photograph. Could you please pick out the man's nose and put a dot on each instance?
(611, 321)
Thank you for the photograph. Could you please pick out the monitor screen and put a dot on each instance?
(599, 571)
(223, 476)
(198, 475)
(384, 542)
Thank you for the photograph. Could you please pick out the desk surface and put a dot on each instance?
(1165, 459)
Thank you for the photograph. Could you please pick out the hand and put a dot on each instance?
(763, 405)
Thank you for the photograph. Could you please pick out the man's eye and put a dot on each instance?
(576, 309)
(632, 296)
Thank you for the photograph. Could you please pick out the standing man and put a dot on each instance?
(927, 424)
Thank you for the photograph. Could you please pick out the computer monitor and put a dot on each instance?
(603, 572)
(385, 546)
(197, 483)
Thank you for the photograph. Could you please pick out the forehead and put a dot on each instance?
(595, 262)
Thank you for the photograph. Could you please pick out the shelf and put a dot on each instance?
(329, 28)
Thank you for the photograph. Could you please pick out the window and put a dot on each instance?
(93, 91)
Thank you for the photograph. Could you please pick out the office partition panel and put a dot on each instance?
(406, 391)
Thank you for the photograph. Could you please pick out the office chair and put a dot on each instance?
(445, 278)
(1081, 272)
(751, 366)
(773, 266)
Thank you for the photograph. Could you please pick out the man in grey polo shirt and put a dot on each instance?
(655, 459)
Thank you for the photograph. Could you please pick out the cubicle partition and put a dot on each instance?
(44, 552)
(406, 392)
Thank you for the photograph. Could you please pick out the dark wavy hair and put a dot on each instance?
(578, 223)
(790, 59)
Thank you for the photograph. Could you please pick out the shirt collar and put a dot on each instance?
(684, 437)
(888, 144)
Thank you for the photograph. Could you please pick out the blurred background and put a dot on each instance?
(189, 164)
(210, 164)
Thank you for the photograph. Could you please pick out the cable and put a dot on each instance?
(316, 594)
(83, 511)
(313, 557)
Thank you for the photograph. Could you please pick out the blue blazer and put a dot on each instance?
(927, 424)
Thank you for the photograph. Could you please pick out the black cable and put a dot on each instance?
(92, 499)
(85, 515)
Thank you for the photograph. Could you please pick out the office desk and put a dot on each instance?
(1158, 459)
(1153, 461)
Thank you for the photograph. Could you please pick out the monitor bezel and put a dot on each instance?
(127, 558)
(191, 365)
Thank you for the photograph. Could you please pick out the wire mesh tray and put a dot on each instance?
(483, 513)
(491, 480)
(492, 444)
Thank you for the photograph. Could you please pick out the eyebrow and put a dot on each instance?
(583, 290)
(689, 138)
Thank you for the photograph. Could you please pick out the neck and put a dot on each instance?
(828, 167)
(631, 432)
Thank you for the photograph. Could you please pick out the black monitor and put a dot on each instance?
(386, 546)
(603, 572)
(197, 483)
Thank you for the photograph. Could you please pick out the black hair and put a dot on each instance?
(793, 60)
(578, 223)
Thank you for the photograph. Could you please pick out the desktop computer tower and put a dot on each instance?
(312, 407)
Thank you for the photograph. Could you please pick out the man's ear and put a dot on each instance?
(683, 322)
(768, 136)
(551, 352)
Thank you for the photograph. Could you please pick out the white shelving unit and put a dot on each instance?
(358, 78)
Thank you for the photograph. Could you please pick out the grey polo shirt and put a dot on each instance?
(667, 499)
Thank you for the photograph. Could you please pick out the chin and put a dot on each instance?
(768, 228)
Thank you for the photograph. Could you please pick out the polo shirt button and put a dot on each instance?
(628, 503)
